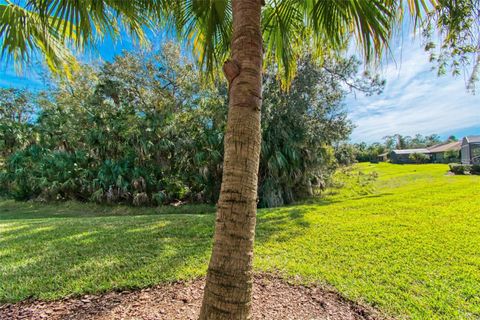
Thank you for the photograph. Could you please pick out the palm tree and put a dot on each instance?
(250, 36)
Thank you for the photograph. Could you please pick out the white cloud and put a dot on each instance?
(414, 101)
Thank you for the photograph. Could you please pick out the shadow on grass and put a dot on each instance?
(287, 223)
(282, 224)
(95, 248)
(372, 196)
(46, 258)
(53, 258)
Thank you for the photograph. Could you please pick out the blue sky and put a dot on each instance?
(414, 101)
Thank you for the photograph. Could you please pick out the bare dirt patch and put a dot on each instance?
(273, 298)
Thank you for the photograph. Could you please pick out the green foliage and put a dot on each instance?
(457, 168)
(145, 130)
(124, 131)
(419, 157)
(16, 111)
(368, 153)
(380, 248)
(475, 169)
(51, 27)
(345, 154)
(49, 175)
(451, 156)
(301, 126)
(398, 141)
(452, 32)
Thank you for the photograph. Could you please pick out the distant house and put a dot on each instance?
(471, 150)
(382, 157)
(403, 156)
(437, 152)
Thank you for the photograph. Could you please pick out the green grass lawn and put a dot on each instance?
(408, 245)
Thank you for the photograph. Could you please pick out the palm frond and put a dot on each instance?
(283, 34)
(370, 21)
(22, 31)
(207, 25)
(51, 27)
(290, 26)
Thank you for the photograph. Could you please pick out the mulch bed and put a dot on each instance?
(273, 298)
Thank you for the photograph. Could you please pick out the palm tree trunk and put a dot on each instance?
(228, 286)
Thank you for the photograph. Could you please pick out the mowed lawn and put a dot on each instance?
(410, 246)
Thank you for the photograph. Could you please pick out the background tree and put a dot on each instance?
(452, 138)
(16, 113)
(365, 152)
(345, 154)
(451, 156)
(144, 130)
(300, 127)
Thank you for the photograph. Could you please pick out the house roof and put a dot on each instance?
(410, 151)
(473, 139)
(443, 147)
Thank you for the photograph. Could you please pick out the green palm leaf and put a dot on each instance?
(52, 27)
(208, 26)
(23, 30)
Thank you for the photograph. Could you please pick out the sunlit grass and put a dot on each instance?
(409, 244)
(411, 248)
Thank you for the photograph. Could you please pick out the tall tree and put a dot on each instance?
(229, 279)
(218, 28)
(16, 111)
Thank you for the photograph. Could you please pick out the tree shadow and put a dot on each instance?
(49, 258)
(283, 224)
(286, 223)
(54, 258)
(372, 196)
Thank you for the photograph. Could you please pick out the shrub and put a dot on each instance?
(457, 168)
(140, 199)
(345, 154)
(475, 169)
(419, 157)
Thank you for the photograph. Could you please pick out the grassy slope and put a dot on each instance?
(411, 248)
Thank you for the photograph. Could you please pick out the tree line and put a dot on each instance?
(146, 130)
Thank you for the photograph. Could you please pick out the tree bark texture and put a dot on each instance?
(228, 286)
